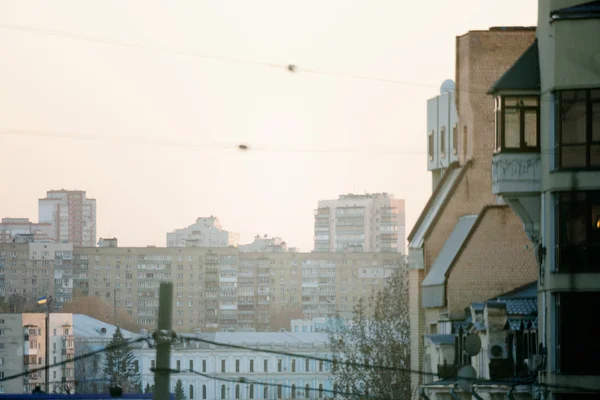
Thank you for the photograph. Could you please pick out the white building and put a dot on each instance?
(280, 373)
(360, 223)
(12, 228)
(264, 244)
(72, 216)
(205, 232)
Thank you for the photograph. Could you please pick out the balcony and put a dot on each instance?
(514, 174)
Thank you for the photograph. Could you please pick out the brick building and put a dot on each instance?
(467, 245)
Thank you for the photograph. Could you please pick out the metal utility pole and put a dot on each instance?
(47, 356)
(163, 340)
(115, 305)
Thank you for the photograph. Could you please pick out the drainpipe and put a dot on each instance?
(509, 394)
(422, 394)
(475, 394)
(453, 394)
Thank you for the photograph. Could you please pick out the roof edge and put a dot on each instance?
(454, 165)
(459, 179)
(480, 218)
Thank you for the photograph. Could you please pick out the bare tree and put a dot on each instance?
(282, 318)
(378, 336)
(96, 307)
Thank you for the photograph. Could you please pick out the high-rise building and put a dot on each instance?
(214, 289)
(72, 215)
(13, 228)
(205, 232)
(360, 223)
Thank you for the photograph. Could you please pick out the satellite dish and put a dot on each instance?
(465, 377)
(472, 345)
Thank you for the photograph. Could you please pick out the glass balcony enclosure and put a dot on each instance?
(517, 123)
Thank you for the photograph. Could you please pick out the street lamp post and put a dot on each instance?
(47, 355)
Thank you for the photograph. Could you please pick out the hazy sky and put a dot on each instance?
(55, 90)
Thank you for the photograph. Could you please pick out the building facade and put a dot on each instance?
(12, 228)
(23, 348)
(267, 375)
(265, 244)
(214, 289)
(360, 223)
(466, 245)
(72, 216)
(205, 232)
(546, 167)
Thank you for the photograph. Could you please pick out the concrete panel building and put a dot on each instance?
(72, 216)
(205, 232)
(360, 223)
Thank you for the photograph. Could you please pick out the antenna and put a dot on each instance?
(472, 345)
(465, 377)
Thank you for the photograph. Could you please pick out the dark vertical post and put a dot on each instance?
(163, 342)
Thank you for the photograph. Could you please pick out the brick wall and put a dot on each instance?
(494, 261)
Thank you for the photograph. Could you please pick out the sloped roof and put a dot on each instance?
(262, 339)
(523, 75)
(434, 205)
(86, 327)
(441, 339)
(437, 273)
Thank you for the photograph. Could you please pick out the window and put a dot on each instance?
(178, 363)
(237, 391)
(517, 123)
(266, 366)
(222, 392)
(152, 365)
(443, 141)
(237, 365)
(222, 365)
(293, 390)
(251, 365)
(320, 366)
(454, 139)
(307, 365)
(320, 390)
(578, 128)
(191, 392)
(266, 392)
(306, 392)
(430, 144)
(279, 365)
(279, 391)
(577, 347)
(578, 231)
(251, 390)
(204, 392)
(191, 365)
(293, 365)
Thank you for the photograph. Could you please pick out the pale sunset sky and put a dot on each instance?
(143, 103)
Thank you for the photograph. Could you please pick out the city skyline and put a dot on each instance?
(160, 130)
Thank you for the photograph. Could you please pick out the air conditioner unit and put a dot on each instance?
(497, 351)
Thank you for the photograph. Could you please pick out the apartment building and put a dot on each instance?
(266, 244)
(72, 216)
(546, 167)
(214, 289)
(13, 228)
(205, 232)
(32, 270)
(360, 223)
(23, 348)
(466, 245)
(267, 375)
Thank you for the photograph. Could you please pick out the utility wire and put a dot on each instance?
(247, 381)
(74, 359)
(289, 67)
(139, 140)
